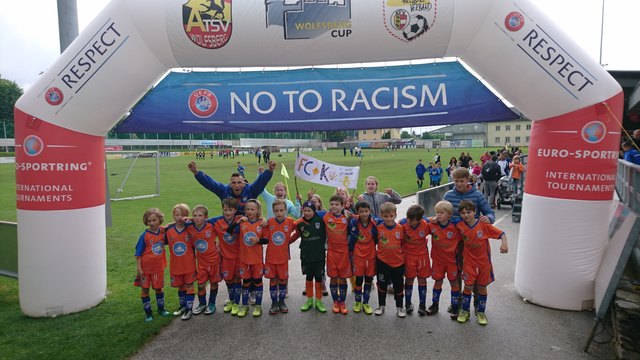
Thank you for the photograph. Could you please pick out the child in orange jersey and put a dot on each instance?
(390, 259)
(276, 269)
(338, 263)
(208, 271)
(183, 260)
(151, 262)
(445, 238)
(362, 251)
(477, 268)
(416, 257)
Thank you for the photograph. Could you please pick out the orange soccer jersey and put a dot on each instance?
(279, 235)
(181, 252)
(363, 239)
(150, 250)
(416, 238)
(444, 243)
(390, 240)
(204, 241)
(337, 232)
(477, 268)
(250, 253)
(229, 247)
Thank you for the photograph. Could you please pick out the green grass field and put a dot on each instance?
(115, 328)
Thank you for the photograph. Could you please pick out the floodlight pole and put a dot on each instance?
(67, 22)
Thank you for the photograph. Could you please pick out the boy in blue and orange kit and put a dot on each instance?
(183, 260)
(208, 258)
(229, 251)
(338, 263)
(477, 268)
(151, 262)
(362, 249)
(445, 238)
(416, 257)
(277, 237)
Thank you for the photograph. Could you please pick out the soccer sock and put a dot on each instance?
(455, 295)
(245, 293)
(482, 303)
(357, 288)
(318, 287)
(237, 293)
(213, 294)
(273, 291)
(282, 291)
(466, 301)
(258, 285)
(343, 292)
(160, 300)
(309, 288)
(202, 296)
(189, 300)
(146, 305)
(382, 294)
(181, 298)
(334, 291)
(436, 295)
(367, 292)
(408, 291)
(422, 294)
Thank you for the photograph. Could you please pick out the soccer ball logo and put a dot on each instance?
(417, 26)
(33, 145)
(594, 132)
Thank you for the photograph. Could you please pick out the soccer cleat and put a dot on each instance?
(343, 308)
(273, 309)
(283, 307)
(307, 305)
(163, 312)
(187, 315)
(181, 310)
(235, 308)
(482, 318)
(148, 318)
(463, 317)
(357, 307)
(367, 309)
(228, 307)
(210, 309)
(320, 306)
(379, 310)
(401, 312)
(336, 307)
(242, 311)
(422, 309)
(409, 308)
(199, 309)
(434, 308)
(454, 313)
(257, 310)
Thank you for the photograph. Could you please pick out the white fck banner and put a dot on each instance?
(324, 173)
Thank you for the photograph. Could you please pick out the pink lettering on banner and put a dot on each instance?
(575, 155)
(56, 168)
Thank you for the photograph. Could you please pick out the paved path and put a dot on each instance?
(516, 330)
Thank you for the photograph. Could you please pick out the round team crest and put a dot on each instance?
(278, 238)
(594, 132)
(479, 234)
(409, 20)
(228, 238)
(398, 235)
(449, 235)
(157, 248)
(400, 19)
(54, 96)
(201, 245)
(246, 237)
(179, 248)
(32, 145)
(422, 234)
(203, 103)
(514, 21)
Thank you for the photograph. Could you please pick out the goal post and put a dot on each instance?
(133, 175)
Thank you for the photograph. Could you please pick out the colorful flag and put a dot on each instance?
(323, 173)
(283, 171)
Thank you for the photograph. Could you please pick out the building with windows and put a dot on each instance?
(376, 134)
(514, 133)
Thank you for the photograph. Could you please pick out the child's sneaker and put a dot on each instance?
(235, 308)
(422, 309)
(283, 307)
(228, 307)
(336, 307)
(320, 306)
(409, 308)
(148, 318)
(379, 310)
(257, 310)
(273, 309)
(307, 305)
(163, 312)
(434, 308)
(242, 311)
(181, 310)
(343, 308)
(454, 312)
(463, 317)
(187, 315)
(252, 298)
(482, 318)
(357, 307)
(367, 309)
(401, 312)
(199, 309)
(210, 309)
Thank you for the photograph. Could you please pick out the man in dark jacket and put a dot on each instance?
(491, 173)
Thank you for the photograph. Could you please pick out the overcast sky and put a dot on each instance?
(29, 41)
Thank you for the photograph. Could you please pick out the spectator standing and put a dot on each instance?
(491, 173)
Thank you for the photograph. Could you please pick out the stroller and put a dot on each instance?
(504, 194)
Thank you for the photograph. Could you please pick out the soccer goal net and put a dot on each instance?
(133, 174)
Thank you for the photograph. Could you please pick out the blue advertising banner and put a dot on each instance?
(315, 100)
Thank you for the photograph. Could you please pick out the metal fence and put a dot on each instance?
(628, 184)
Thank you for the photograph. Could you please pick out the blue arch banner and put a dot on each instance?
(315, 100)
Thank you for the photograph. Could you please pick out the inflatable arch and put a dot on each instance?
(62, 119)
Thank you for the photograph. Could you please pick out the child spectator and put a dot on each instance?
(435, 175)
(183, 260)
(280, 193)
(229, 251)
(375, 198)
(362, 251)
(390, 259)
(338, 263)
(516, 170)
(477, 268)
(420, 171)
(416, 257)
(445, 238)
(151, 262)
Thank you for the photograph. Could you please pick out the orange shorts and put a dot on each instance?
(209, 273)
(276, 271)
(146, 281)
(481, 275)
(417, 266)
(229, 269)
(247, 271)
(439, 270)
(338, 264)
(364, 267)
(183, 279)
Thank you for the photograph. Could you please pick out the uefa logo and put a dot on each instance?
(54, 96)
(594, 132)
(203, 103)
(32, 145)
(514, 21)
